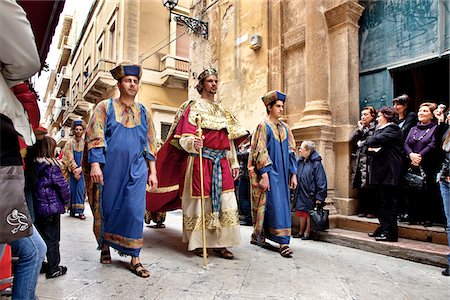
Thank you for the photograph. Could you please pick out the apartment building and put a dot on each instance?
(136, 31)
(115, 31)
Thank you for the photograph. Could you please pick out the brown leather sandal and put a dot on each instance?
(105, 257)
(142, 272)
(224, 253)
(285, 251)
(199, 252)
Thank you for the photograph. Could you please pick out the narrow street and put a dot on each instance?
(318, 271)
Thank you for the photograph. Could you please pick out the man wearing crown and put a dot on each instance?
(121, 149)
(273, 171)
(179, 170)
(72, 154)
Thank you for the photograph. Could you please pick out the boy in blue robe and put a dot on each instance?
(273, 171)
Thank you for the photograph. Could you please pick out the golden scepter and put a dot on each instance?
(198, 120)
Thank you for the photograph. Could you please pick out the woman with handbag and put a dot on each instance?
(421, 149)
(386, 146)
(311, 188)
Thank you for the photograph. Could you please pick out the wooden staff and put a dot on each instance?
(199, 132)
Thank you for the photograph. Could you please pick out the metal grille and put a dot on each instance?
(165, 127)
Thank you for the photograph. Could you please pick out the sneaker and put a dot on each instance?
(446, 272)
(60, 272)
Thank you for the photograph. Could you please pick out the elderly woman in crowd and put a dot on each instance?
(386, 146)
(365, 129)
(311, 188)
(421, 149)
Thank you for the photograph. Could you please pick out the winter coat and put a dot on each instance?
(360, 167)
(51, 191)
(409, 122)
(385, 166)
(312, 182)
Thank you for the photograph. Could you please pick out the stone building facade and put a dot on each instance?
(309, 50)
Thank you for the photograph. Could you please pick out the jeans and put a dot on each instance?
(31, 252)
(2, 250)
(445, 192)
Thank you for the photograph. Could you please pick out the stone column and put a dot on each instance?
(275, 29)
(317, 109)
(316, 123)
(131, 30)
(342, 23)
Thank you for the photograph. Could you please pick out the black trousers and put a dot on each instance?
(387, 214)
(50, 230)
(368, 202)
(244, 199)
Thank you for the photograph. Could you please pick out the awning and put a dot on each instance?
(43, 16)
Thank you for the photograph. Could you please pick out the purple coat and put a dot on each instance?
(52, 191)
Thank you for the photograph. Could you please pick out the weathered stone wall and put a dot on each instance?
(310, 51)
(242, 71)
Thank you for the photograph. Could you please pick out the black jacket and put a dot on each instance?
(410, 122)
(385, 166)
(360, 156)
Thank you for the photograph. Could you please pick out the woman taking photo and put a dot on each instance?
(365, 129)
(421, 150)
(386, 146)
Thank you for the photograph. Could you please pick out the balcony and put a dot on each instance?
(80, 106)
(100, 83)
(49, 108)
(79, 109)
(63, 81)
(174, 71)
(57, 109)
(62, 136)
(60, 107)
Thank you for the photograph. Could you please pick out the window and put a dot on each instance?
(100, 48)
(87, 71)
(182, 43)
(165, 127)
(112, 41)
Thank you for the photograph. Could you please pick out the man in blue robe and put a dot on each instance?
(273, 171)
(121, 151)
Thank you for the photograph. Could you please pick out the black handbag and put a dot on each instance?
(415, 178)
(319, 218)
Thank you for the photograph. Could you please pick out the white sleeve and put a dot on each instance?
(232, 156)
(19, 58)
(187, 143)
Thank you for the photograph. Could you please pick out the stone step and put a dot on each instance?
(414, 250)
(432, 234)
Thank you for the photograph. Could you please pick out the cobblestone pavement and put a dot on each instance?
(318, 271)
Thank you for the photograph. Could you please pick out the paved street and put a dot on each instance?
(317, 271)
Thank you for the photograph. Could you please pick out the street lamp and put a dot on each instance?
(197, 26)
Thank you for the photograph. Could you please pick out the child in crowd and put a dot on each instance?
(51, 193)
